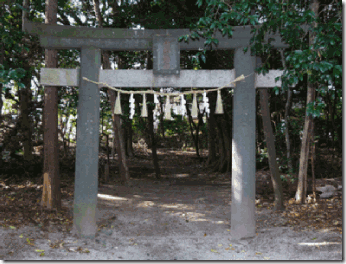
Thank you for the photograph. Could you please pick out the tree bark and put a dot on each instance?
(162, 126)
(228, 143)
(304, 152)
(2, 58)
(150, 98)
(25, 120)
(51, 195)
(211, 130)
(192, 128)
(269, 137)
(120, 144)
(129, 148)
(287, 119)
(151, 125)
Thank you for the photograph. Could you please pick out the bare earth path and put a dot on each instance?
(184, 216)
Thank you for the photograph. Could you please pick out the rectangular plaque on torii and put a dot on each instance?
(166, 55)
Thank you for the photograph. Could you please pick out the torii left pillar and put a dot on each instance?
(88, 122)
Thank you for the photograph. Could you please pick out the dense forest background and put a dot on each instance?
(311, 112)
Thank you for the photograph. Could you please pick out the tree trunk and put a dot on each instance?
(51, 195)
(2, 58)
(211, 130)
(222, 146)
(269, 137)
(304, 153)
(287, 119)
(120, 144)
(162, 126)
(192, 128)
(227, 139)
(129, 147)
(106, 176)
(123, 168)
(25, 120)
(113, 143)
(150, 98)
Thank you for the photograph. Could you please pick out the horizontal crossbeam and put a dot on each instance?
(146, 78)
(67, 37)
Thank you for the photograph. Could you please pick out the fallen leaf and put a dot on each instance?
(12, 227)
(219, 245)
(39, 250)
(42, 254)
(227, 248)
(205, 234)
(213, 250)
(29, 242)
(258, 253)
(266, 257)
(21, 236)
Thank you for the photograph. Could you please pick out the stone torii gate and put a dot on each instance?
(166, 73)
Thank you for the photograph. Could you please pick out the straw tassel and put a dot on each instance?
(206, 103)
(132, 106)
(168, 109)
(182, 105)
(194, 111)
(144, 107)
(157, 105)
(219, 107)
(117, 107)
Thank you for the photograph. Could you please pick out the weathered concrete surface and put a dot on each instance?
(67, 37)
(137, 78)
(243, 223)
(88, 122)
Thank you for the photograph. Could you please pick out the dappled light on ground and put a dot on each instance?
(110, 197)
(188, 204)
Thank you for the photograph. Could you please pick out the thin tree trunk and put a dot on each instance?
(313, 152)
(151, 125)
(269, 137)
(227, 139)
(192, 128)
(211, 130)
(222, 145)
(129, 138)
(123, 168)
(25, 120)
(152, 137)
(2, 58)
(162, 126)
(304, 153)
(287, 119)
(113, 143)
(51, 195)
(106, 177)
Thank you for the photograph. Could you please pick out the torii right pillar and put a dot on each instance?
(243, 222)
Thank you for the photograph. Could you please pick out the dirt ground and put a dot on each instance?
(184, 216)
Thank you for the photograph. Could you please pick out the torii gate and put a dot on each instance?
(166, 73)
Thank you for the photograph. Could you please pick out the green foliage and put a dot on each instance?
(262, 155)
(321, 61)
(8, 75)
(177, 127)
